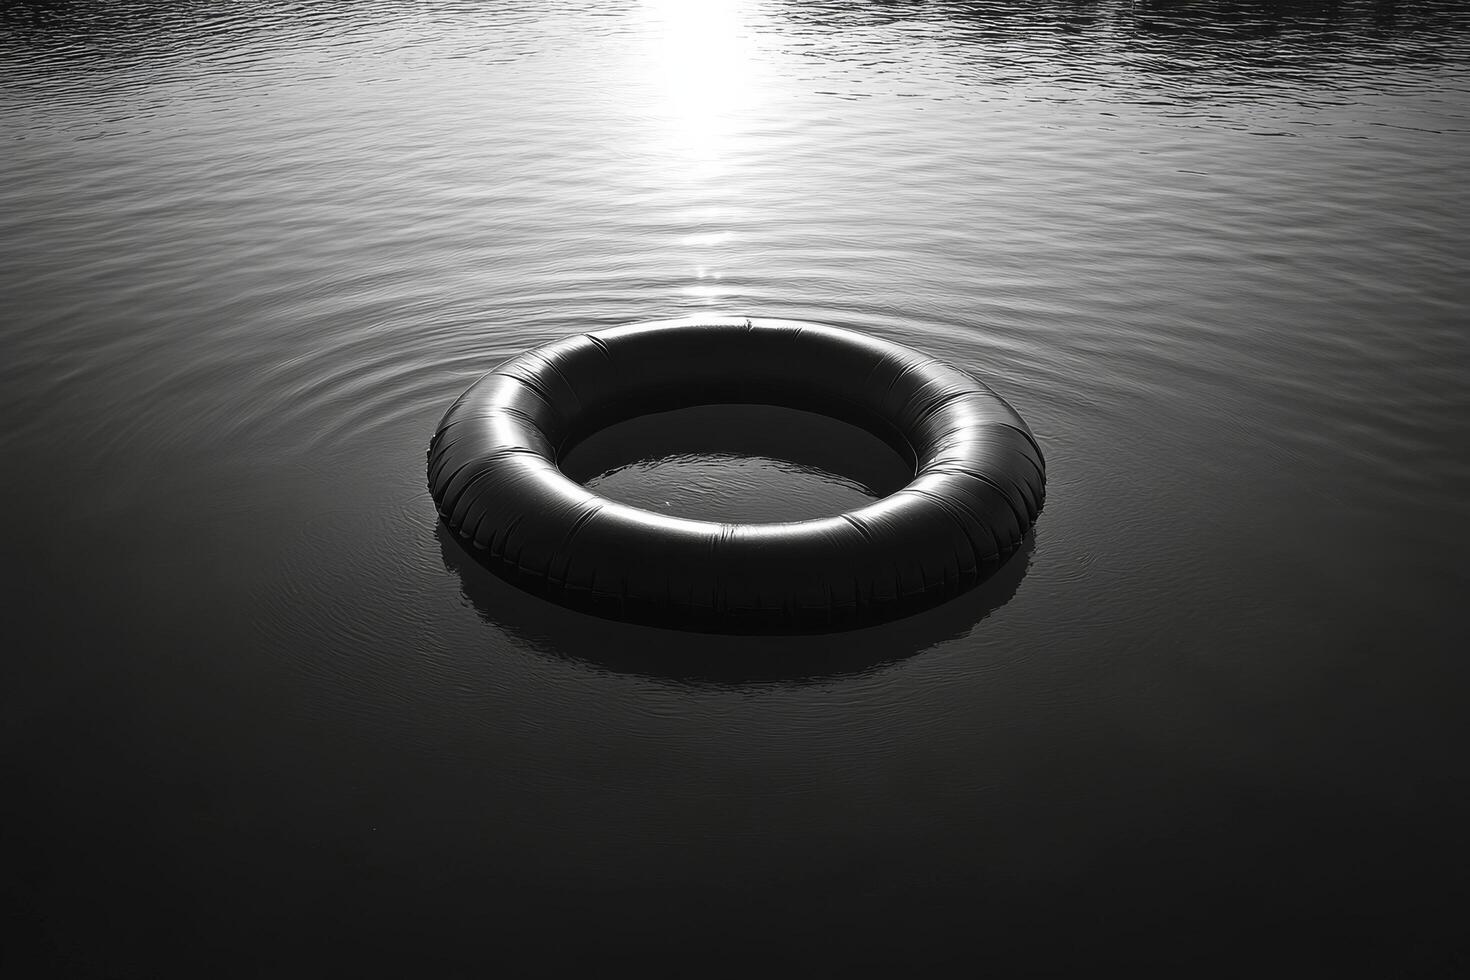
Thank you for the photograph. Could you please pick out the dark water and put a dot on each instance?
(263, 718)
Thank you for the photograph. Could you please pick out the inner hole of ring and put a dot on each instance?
(738, 463)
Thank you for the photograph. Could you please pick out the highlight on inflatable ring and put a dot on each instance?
(978, 484)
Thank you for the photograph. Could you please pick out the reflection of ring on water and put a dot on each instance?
(720, 658)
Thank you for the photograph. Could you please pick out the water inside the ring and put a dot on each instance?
(738, 463)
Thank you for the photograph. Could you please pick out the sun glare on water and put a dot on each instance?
(706, 81)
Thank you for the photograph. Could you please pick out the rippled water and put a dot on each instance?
(263, 717)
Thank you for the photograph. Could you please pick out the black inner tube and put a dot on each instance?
(979, 478)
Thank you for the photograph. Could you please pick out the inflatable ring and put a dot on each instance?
(979, 478)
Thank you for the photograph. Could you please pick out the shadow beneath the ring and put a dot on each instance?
(713, 659)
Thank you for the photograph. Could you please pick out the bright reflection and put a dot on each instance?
(705, 82)
(705, 79)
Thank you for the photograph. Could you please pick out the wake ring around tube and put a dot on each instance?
(979, 478)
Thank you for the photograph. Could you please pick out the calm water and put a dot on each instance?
(262, 718)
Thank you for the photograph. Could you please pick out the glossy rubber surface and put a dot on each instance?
(978, 484)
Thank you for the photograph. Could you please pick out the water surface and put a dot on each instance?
(263, 717)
